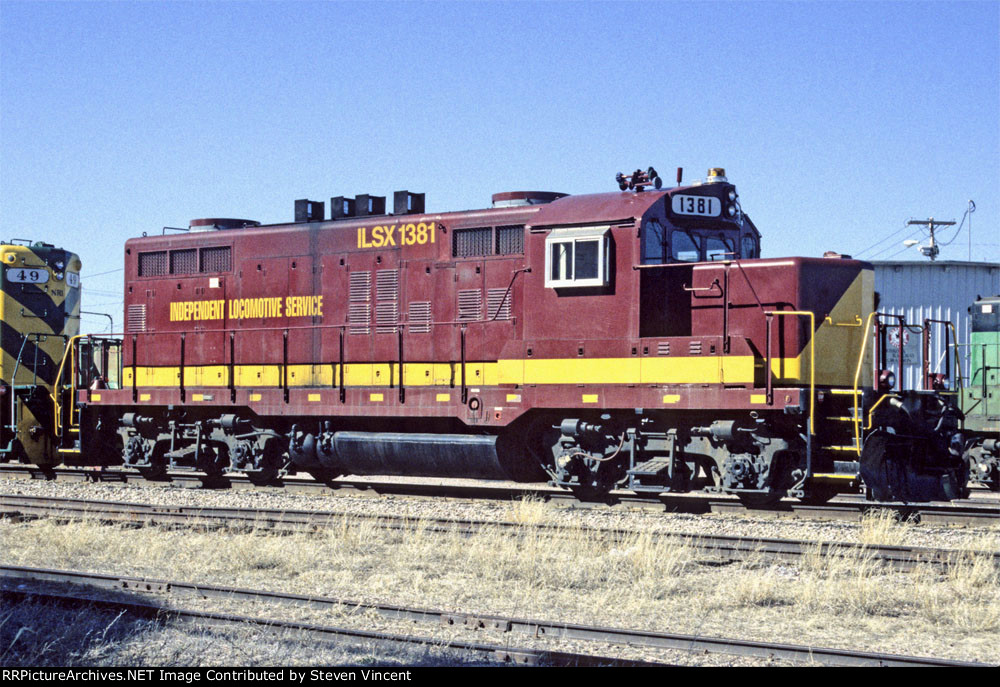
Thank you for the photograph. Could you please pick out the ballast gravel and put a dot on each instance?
(611, 517)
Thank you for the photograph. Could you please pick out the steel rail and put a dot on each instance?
(495, 653)
(726, 546)
(472, 621)
(985, 511)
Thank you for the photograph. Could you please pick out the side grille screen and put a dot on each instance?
(216, 259)
(153, 264)
(469, 243)
(510, 240)
(184, 261)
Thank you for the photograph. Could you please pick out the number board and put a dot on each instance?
(73, 280)
(27, 275)
(704, 206)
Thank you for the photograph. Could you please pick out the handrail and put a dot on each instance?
(812, 352)
(855, 323)
(857, 374)
(926, 343)
(68, 351)
(812, 374)
(871, 411)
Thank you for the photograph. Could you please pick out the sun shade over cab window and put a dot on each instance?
(577, 257)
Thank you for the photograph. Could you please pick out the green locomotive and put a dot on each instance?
(981, 396)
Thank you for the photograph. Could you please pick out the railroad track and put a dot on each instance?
(15, 579)
(493, 653)
(982, 510)
(725, 547)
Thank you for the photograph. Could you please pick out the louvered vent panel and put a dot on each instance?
(386, 301)
(470, 305)
(695, 348)
(495, 301)
(153, 264)
(386, 317)
(420, 317)
(663, 348)
(510, 240)
(137, 318)
(359, 315)
(184, 261)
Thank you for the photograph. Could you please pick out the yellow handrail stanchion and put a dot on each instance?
(812, 377)
(54, 393)
(858, 419)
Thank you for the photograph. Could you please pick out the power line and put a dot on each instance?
(891, 246)
(101, 274)
(877, 243)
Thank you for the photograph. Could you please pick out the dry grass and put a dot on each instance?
(884, 528)
(637, 580)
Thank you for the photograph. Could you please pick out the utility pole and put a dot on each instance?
(932, 250)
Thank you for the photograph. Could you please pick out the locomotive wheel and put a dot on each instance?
(154, 473)
(268, 464)
(158, 464)
(214, 461)
(994, 481)
(592, 494)
(819, 494)
(323, 476)
(758, 499)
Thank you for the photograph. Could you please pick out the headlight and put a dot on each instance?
(58, 276)
(732, 194)
(886, 380)
(731, 210)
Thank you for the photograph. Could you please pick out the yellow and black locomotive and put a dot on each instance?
(39, 317)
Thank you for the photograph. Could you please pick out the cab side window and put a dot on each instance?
(577, 257)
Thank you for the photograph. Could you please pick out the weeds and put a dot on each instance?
(633, 580)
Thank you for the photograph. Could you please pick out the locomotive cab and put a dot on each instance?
(693, 224)
(700, 223)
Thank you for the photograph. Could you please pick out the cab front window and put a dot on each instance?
(684, 247)
(653, 241)
(717, 248)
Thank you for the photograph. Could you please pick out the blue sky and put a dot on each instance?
(836, 121)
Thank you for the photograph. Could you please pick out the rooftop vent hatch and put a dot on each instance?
(511, 199)
(220, 223)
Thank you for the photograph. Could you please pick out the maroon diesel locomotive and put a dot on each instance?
(626, 339)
